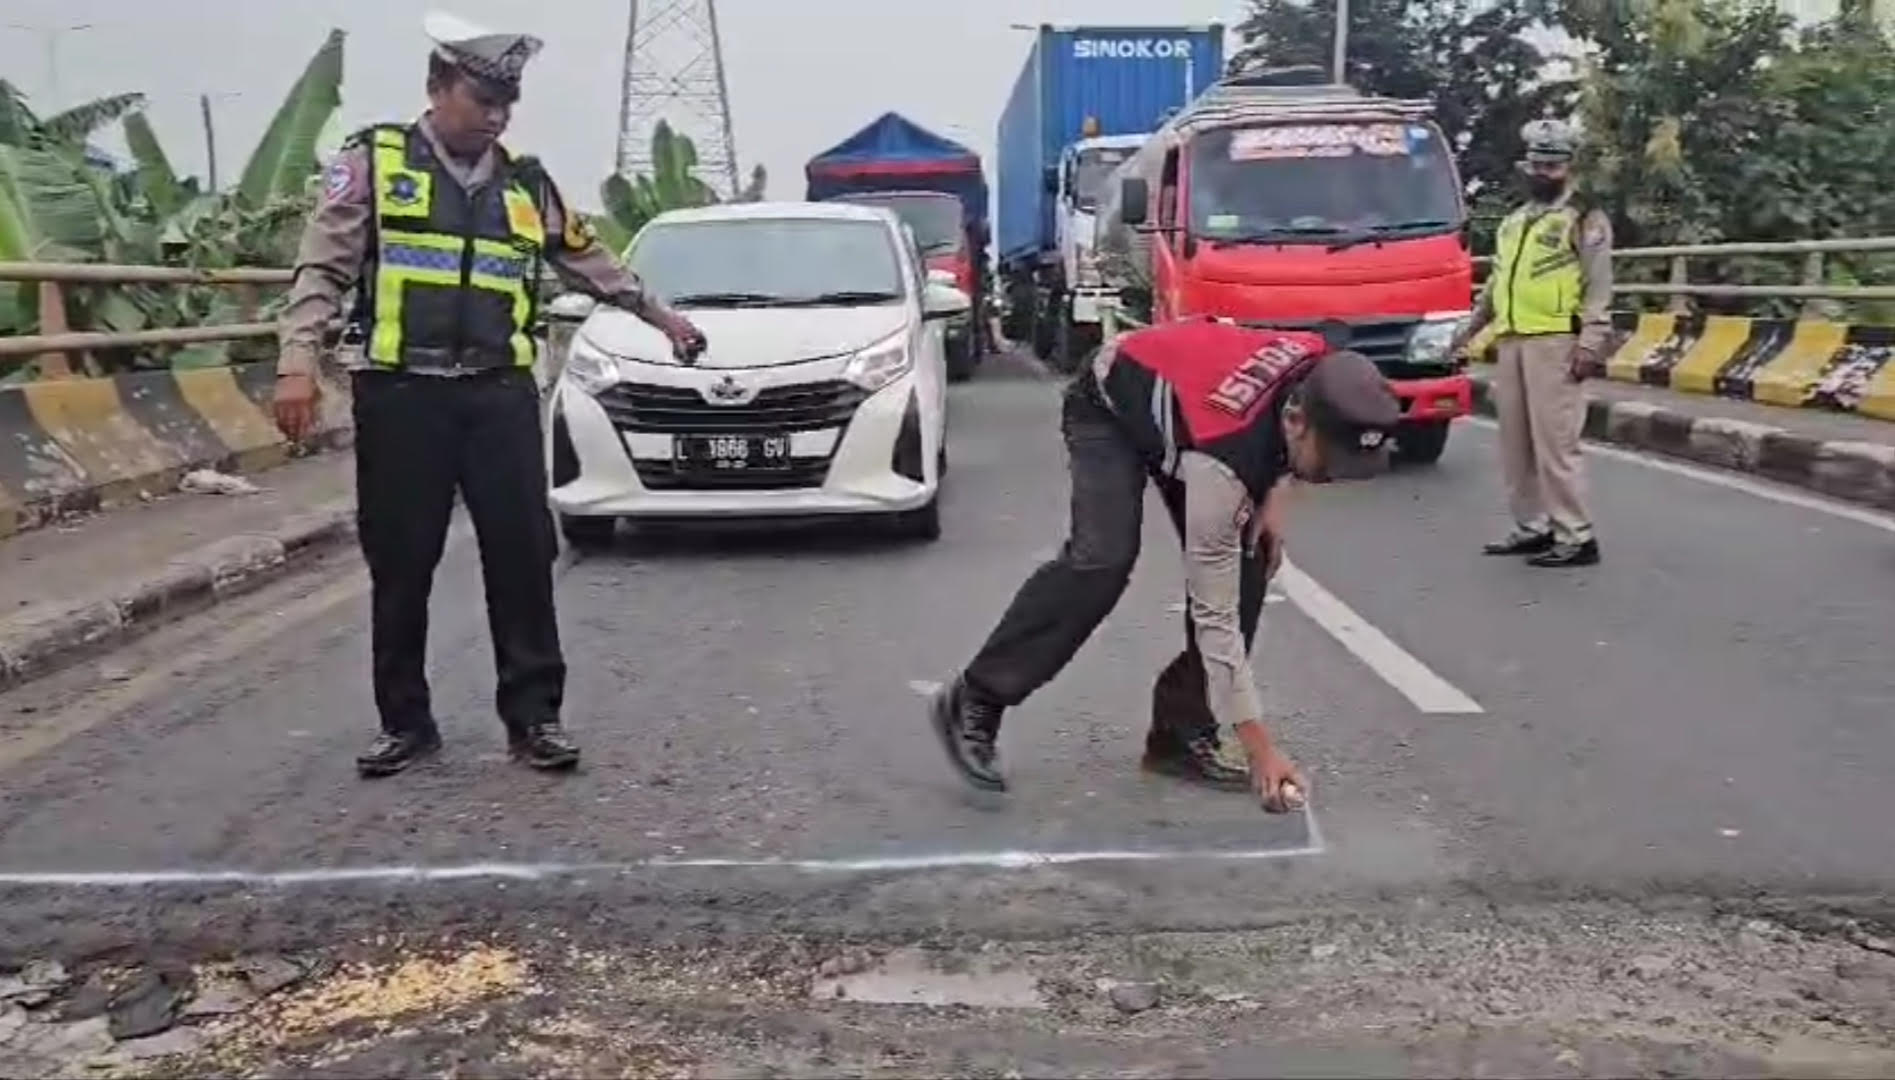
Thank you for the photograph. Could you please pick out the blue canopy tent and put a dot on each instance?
(896, 154)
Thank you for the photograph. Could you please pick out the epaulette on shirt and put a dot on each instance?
(366, 136)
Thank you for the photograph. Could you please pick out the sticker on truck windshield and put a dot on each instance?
(1319, 141)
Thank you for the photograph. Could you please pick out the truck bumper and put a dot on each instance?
(1087, 304)
(1442, 398)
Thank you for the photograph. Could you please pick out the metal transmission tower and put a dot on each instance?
(674, 71)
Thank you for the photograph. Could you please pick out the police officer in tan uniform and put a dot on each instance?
(443, 235)
(1548, 297)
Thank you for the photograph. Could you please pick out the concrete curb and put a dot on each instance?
(40, 643)
(1855, 472)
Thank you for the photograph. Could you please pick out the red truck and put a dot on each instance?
(1279, 199)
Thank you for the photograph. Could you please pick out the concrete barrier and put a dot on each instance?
(1808, 363)
(78, 445)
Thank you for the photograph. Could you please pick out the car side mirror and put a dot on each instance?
(570, 307)
(1134, 200)
(939, 301)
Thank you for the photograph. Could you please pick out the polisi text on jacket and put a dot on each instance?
(1131, 48)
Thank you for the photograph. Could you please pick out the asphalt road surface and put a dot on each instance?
(1704, 715)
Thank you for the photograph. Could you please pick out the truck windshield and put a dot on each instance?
(1315, 183)
(768, 261)
(1091, 171)
(936, 219)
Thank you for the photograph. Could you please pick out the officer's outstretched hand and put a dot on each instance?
(687, 341)
(1280, 784)
(295, 400)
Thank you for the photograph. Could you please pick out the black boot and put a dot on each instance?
(391, 753)
(1196, 756)
(968, 727)
(1567, 553)
(1521, 542)
(544, 746)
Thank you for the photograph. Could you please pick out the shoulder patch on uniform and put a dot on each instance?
(579, 233)
(339, 178)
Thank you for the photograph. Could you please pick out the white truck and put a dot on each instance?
(1070, 294)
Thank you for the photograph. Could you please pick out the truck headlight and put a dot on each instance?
(1428, 342)
(589, 368)
(880, 364)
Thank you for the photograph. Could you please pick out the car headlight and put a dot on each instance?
(589, 368)
(880, 364)
(1428, 342)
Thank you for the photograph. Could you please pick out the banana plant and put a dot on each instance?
(285, 159)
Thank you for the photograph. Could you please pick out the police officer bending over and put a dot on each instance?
(443, 233)
(1216, 415)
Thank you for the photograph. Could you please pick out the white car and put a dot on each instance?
(822, 391)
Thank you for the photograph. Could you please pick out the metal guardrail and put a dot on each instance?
(49, 276)
(1812, 287)
(1679, 288)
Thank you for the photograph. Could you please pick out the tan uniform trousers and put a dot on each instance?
(1541, 413)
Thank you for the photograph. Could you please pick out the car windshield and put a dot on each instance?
(1091, 172)
(765, 261)
(936, 219)
(1314, 183)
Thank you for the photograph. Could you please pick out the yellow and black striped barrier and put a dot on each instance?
(1805, 363)
(75, 445)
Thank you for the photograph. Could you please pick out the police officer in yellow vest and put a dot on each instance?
(444, 236)
(1548, 298)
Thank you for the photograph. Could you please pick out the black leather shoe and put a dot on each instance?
(1568, 554)
(390, 754)
(544, 746)
(1198, 758)
(1521, 543)
(969, 728)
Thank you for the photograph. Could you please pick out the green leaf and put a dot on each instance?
(286, 156)
(612, 236)
(157, 181)
(49, 210)
(81, 122)
(18, 125)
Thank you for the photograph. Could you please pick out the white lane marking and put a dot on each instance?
(1761, 489)
(988, 860)
(1429, 692)
(924, 688)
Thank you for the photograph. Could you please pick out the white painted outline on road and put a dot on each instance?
(980, 860)
(1412, 679)
(1704, 474)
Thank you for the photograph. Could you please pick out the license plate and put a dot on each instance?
(732, 453)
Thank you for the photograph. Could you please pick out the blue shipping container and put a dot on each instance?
(1128, 78)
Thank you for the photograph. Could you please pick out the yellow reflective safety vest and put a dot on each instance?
(455, 276)
(1538, 287)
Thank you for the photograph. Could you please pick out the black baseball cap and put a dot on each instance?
(1354, 412)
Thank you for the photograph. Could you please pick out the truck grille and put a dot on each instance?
(682, 410)
(1384, 341)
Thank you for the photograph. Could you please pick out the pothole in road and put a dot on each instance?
(1597, 989)
(913, 977)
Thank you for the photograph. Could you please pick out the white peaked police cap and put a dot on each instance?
(482, 53)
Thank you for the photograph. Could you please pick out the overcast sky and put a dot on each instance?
(803, 75)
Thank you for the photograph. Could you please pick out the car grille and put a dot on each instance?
(682, 410)
(664, 476)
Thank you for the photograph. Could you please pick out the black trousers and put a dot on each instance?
(1067, 598)
(417, 440)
